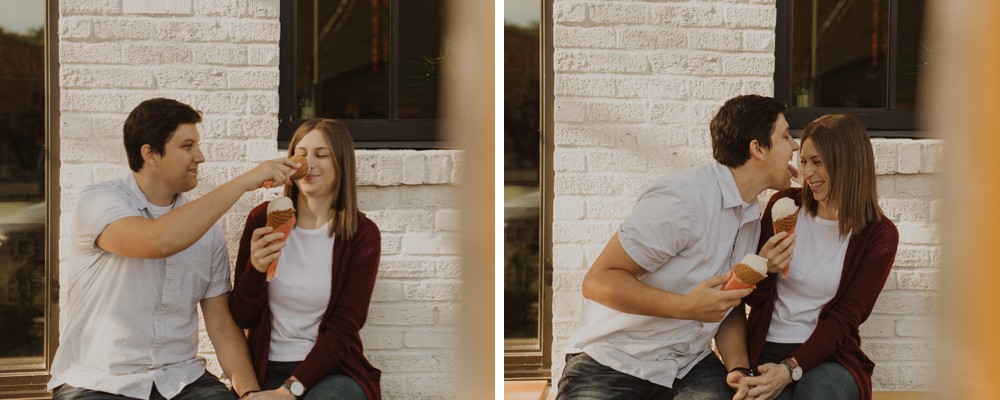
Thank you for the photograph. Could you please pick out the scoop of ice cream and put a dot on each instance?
(279, 204)
(784, 207)
(756, 262)
(303, 167)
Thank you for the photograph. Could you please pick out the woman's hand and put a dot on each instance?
(265, 247)
(772, 380)
(733, 380)
(778, 251)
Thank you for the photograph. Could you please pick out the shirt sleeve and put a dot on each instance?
(219, 282)
(97, 208)
(660, 227)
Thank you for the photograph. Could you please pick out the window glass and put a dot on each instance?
(22, 182)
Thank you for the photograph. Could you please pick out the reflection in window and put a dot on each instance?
(522, 200)
(842, 54)
(22, 181)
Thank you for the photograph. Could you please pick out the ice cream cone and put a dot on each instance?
(303, 167)
(747, 272)
(281, 217)
(786, 224)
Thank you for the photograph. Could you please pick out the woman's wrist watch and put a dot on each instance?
(293, 385)
(793, 368)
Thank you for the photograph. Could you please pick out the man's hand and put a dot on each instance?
(778, 251)
(772, 380)
(706, 303)
(277, 171)
(733, 380)
(276, 394)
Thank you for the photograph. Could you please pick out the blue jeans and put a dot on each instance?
(826, 381)
(584, 378)
(207, 387)
(334, 386)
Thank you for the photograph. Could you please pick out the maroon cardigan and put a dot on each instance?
(338, 346)
(870, 254)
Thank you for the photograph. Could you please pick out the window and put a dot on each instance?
(28, 238)
(375, 65)
(527, 194)
(861, 57)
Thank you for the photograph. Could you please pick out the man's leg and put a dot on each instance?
(706, 381)
(585, 379)
(207, 387)
(67, 392)
(336, 387)
(827, 381)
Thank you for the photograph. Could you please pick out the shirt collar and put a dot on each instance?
(731, 197)
(138, 199)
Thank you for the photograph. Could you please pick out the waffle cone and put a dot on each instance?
(303, 168)
(786, 224)
(278, 218)
(742, 277)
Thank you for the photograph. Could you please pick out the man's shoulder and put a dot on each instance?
(685, 183)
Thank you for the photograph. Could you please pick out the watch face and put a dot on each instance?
(297, 388)
(796, 373)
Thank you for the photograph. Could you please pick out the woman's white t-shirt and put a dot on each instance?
(812, 281)
(300, 293)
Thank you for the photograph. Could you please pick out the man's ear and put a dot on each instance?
(756, 150)
(148, 155)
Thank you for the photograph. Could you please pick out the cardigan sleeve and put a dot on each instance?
(841, 319)
(249, 298)
(351, 309)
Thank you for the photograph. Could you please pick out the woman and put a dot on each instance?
(803, 329)
(304, 324)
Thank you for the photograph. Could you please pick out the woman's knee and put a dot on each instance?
(827, 380)
(336, 387)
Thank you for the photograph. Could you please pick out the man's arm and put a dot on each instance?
(140, 237)
(731, 341)
(230, 343)
(612, 282)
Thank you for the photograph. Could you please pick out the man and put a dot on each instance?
(652, 302)
(141, 258)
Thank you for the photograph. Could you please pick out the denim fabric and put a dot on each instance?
(826, 381)
(335, 386)
(584, 378)
(207, 387)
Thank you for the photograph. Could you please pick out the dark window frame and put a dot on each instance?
(391, 133)
(881, 122)
(28, 380)
(529, 359)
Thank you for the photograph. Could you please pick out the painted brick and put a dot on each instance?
(567, 256)
(581, 232)
(618, 13)
(904, 376)
(262, 54)
(937, 211)
(265, 103)
(430, 197)
(685, 15)
(430, 244)
(264, 8)
(440, 167)
(650, 38)
(391, 244)
(891, 282)
(918, 280)
(75, 125)
(682, 112)
(564, 160)
(449, 314)
(92, 101)
(758, 41)
(567, 280)
(403, 220)
(572, 183)
(414, 169)
(430, 338)
(92, 150)
(431, 291)
(449, 267)
(226, 8)
(881, 349)
(104, 77)
(447, 221)
(905, 209)
(104, 7)
(714, 40)
(372, 198)
(219, 54)
(252, 127)
(685, 63)
(191, 78)
(916, 327)
(254, 79)
(903, 303)
(254, 31)
(917, 233)
(390, 171)
(568, 208)
(713, 88)
(150, 7)
(566, 12)
(367, 165)
(652, 88)
(611, 61)
(408, 267)
(609, 208)
(381, 338)
(750, 17)
(748, 65)
(156, 53)
(878, 327)
(617, 161)
(89, 53)
(402, 314)
(73, 28)
(585, 86)
(187, 30)
(405, 362)
(586, 38)
(933, 156)
(124, 28)
(595, 134)
(886, 155)
(910, 157)
(917, 256)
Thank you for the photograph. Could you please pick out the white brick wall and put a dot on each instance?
(221, 57)
(636, 84)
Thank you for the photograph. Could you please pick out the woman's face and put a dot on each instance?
(814, 171)
(322, 176)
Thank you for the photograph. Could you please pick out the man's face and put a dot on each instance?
(177, 167)
(777, 158)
